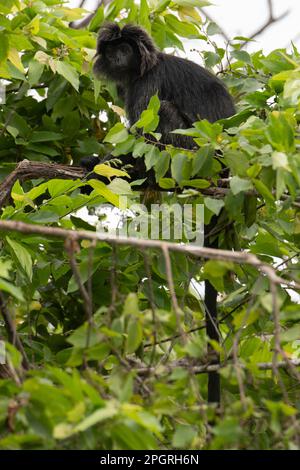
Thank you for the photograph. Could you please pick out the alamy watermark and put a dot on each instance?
(2, 93)
(170, 222)
(2, 353)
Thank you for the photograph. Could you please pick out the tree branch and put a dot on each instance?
(239, 257)
(26, 170)
(203, 369)
(271, 20)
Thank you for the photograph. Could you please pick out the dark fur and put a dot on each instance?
(187, 92)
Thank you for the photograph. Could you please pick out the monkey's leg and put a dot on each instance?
(170, 118)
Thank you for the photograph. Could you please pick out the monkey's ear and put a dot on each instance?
(148, 59)
(145, 46)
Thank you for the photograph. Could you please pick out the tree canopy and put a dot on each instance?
(105, 340)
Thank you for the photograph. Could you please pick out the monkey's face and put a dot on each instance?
(115, 58)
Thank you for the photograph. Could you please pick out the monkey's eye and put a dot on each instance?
(110, 51)
(124, 48)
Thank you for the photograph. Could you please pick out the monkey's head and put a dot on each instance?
(123, 53)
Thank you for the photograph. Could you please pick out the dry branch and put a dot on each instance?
(26, 170)
(203, 369)
(240, 257)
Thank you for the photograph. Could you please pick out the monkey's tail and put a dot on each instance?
(211, 319)
(212, 328)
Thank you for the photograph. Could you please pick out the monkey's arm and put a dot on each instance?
(171, 116)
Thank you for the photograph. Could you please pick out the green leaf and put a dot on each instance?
(166, 183)
(45, 136)
(264, 191)
(250, 207)
(280, 132)
(134, 335)
(152, 157)
(214, 205)
(120, 186)
(124, 147)
(35, 71)
(182, 28)
(183, 436)
(108, 171)
(118, 133)
(67, 71)
(237, 162)
(213, 29)
(131, 306)
(215, 271)
(239, 185)
(149, 119)
(11, 289)
(22, 256)
(97, 19)
(59, 187)
(162, 165)
(243, 56)
(291, 334)
(279, 160)
(144, 13)
(196, 183)
(104, 191)
(4, 46)
(180, 167)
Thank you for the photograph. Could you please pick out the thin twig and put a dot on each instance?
(270, 20)
(152, 305)
(11, 330)
(71, 247)
(176, 308)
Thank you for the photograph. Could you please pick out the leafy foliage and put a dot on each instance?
(85, 388)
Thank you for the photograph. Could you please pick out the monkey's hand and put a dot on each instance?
(89, 163)
(135, 167)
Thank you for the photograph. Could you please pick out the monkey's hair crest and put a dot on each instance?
(111, 32)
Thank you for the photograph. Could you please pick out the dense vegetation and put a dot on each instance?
(87, 366)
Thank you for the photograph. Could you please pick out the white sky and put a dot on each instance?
(243, 17)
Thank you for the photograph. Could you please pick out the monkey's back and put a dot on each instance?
(196, 92)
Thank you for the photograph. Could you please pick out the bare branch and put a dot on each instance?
(204, 369)
(71, 247)
(240, 257)
(26, 170)
(176, 308)
(86, 21)
(270, 20)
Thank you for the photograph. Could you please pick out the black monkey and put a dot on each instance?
(187, 93)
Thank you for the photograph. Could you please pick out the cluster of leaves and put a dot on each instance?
(84, 390)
